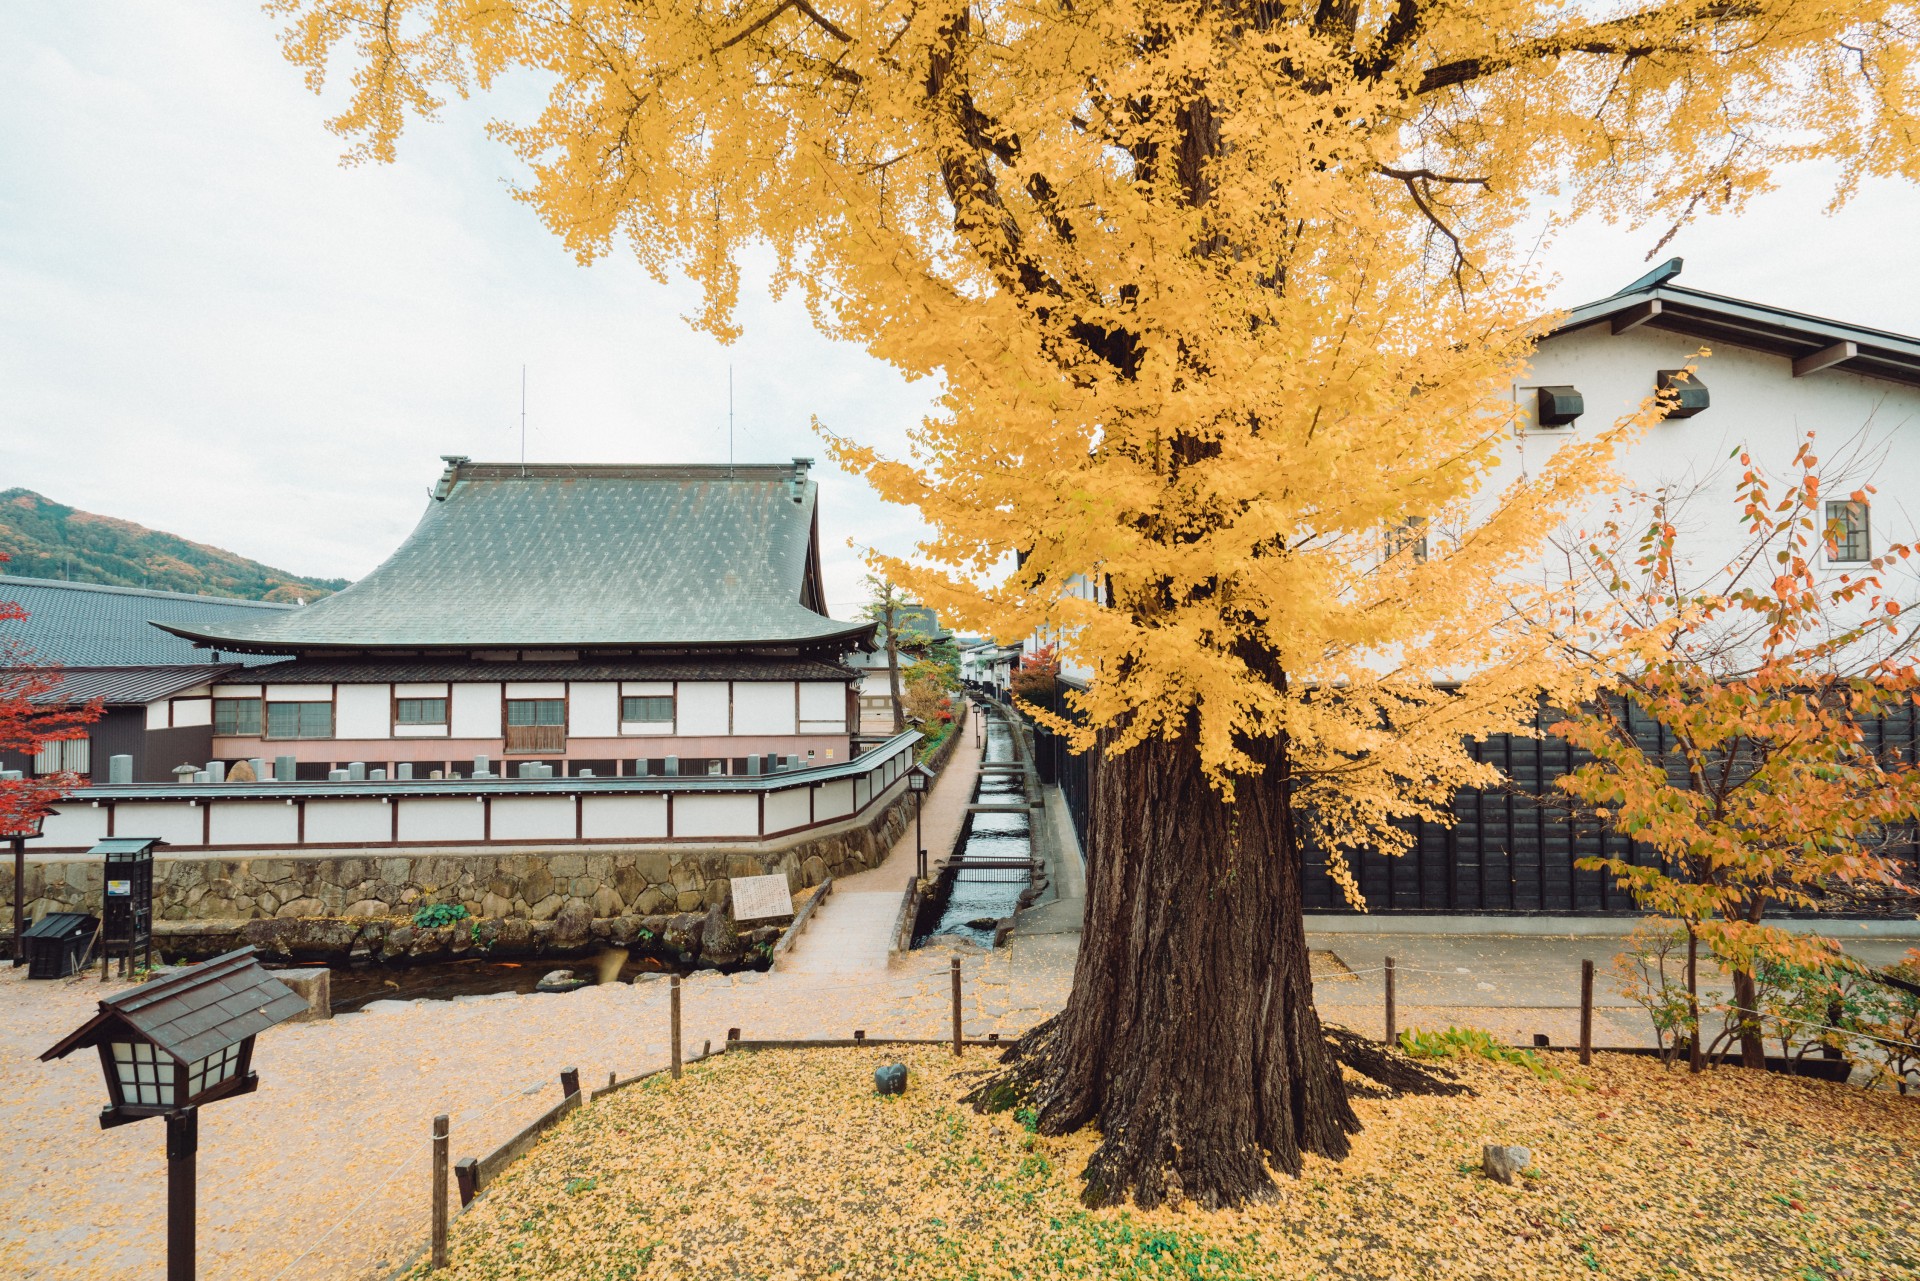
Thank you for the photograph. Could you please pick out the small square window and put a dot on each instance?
(650, 709)
(299, 720)
(237, 716)
(522, 712)
(1847, 532)
(1409, 536)
(420, 711)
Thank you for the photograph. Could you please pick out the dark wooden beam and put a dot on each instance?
(1637, 316)
(1825, 358)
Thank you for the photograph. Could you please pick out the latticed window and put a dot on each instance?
(239, 716)
(299, 720)
(536, 711)
(1409, 536)
(1847, 528)
(146, 1077)
(206, 1073)
(647, 709)
(420, 711)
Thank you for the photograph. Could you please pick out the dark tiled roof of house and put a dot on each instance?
(328, 672)
(581, 556)
(1655, 301)
(90, 625)
(120, 686)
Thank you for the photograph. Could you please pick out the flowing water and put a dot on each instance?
(969, 903)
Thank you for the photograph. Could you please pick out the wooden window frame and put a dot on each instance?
(1835, 511)
(260, 716)
(266, 720)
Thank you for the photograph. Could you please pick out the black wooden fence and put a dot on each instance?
(1511, 848)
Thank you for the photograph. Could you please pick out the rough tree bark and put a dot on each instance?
(1190, 1037)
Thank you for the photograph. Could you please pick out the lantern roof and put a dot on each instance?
(197, 1012)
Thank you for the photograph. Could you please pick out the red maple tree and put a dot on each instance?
(31, 716)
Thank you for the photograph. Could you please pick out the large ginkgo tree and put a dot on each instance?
(1224, 301)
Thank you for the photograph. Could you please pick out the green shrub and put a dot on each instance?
(1460, 1042)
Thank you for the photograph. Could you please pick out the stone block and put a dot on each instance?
(536, 885)
(657, 868)
(690, 900)
(369, 907)
(547, 908)
(1503, 1162)
(567, 865)
(316, 986)
(492, 904)
(607, 903)
(583, 886)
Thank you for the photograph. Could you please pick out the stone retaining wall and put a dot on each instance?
(223, 897)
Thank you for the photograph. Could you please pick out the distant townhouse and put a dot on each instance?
(157, 688)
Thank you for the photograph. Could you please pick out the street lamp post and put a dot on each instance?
(169, 1046)
(29, 830)
(918, 779)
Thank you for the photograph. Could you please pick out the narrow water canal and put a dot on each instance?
(970, 902)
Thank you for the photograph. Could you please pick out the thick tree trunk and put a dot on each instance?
(1190, 1037)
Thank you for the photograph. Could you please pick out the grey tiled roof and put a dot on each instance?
(298, 671)
(554, 555)
(119, 686)
(90, 625)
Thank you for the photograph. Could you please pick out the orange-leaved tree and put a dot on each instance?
(1213, 292)
(1735, 737)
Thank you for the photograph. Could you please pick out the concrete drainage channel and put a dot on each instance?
(997, 866)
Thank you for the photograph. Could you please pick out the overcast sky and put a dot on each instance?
(209, 326)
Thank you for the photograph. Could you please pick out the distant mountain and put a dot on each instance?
(45, 539)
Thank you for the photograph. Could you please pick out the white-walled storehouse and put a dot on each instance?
(612, 620)
(1768, 378)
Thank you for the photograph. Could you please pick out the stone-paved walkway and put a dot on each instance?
(852, 932)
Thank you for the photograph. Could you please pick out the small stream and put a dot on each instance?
(968, 904)
(356, 986)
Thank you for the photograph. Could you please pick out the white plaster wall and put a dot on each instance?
(823, 704)
(363, 711)
(532, 818)
(157, 714)
(175, 822)
(332, 821)
(236, 691)
(862, 791)
(474, 710)
(593, 709)
(702, 708)
(605, 818)
(442, 818)
(73, 824)
(833, 800)
(536, 689)
(716, 815)
(192, 711)
(763, 707)
(254, 823)
(1868, 431)
(420, 689)
(786, 809)
(299, 693)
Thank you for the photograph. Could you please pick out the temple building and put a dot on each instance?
(612, 621)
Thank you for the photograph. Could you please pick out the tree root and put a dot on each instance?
(1388, 1068)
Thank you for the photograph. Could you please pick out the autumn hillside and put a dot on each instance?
(45, 539)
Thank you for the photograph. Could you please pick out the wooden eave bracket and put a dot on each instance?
(1635, 317)
(1825, 358)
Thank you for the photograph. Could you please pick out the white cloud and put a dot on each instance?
(213, 327)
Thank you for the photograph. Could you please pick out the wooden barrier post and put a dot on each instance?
(1393, 1032)
(1586, 1013)
(570, 1080)
(439, 1192)
(955, 967)
(673, 997)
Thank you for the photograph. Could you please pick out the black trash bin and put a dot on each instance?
(56, 942)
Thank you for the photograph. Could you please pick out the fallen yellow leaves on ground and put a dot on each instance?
(786, 1165)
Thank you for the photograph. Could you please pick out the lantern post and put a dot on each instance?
(171, 1046)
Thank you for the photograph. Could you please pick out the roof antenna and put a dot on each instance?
(523, 420)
